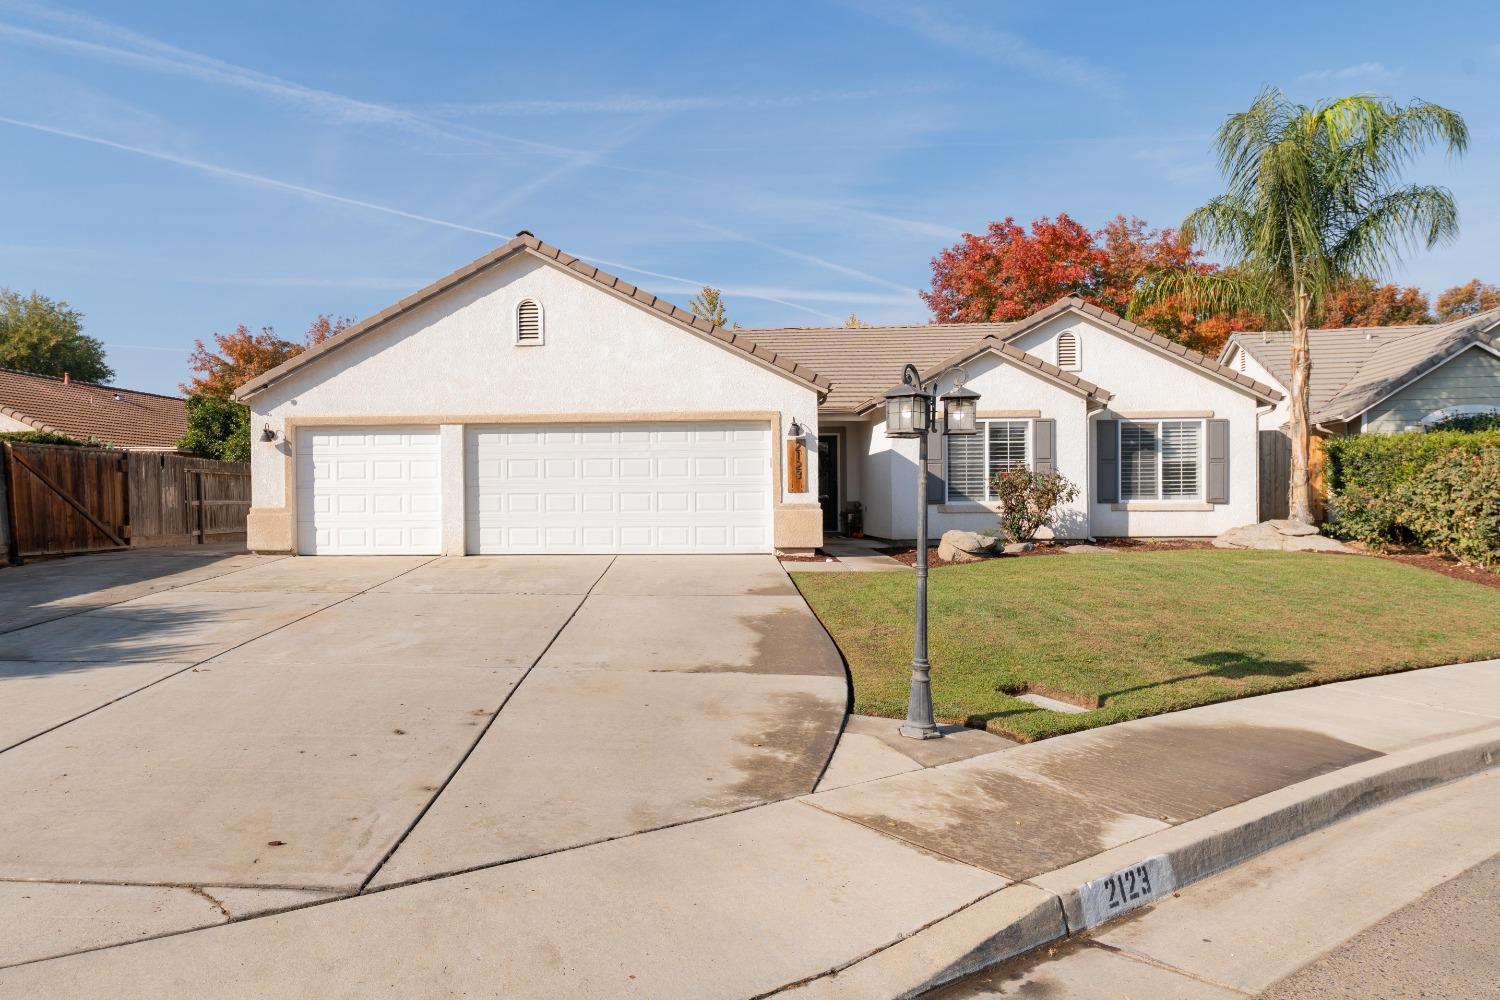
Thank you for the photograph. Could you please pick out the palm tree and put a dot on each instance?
(1314, 199)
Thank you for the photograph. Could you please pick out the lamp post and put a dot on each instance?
(910, 412)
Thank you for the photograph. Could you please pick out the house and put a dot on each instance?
(120, 418)
(1381, 379)
(530, 402)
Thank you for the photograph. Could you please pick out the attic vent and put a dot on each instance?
(528, 323)
(1240, 359)
(1067, 351)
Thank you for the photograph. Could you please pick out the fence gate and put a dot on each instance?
(1275, 475)
(65, 500)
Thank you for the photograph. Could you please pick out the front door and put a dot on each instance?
(828, 481)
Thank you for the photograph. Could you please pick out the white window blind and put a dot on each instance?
(974, 461)
(1160, 460)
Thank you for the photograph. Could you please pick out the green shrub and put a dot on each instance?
(1029, 500)
(1469, 422)
(45, 437)
(1438, 489)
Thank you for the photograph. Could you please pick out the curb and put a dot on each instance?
(1028, 915)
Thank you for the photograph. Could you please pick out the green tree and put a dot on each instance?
(45, 337)
(709, 304)
(1314, 200)
(218, 427)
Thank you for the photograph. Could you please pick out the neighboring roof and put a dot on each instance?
(1222, 371)
(120, 417)
(863, 362)
(524, 242)
(1356, 367)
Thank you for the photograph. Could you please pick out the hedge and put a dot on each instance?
(45, 437)
(1437, 489)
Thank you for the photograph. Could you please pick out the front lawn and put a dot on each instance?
(1141, 633)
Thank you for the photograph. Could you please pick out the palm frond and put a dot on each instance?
(1210, 293)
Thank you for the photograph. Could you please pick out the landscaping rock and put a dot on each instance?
(1089, 550)
(1016, 548)
(965, 546)
(1268, 535)
(1294, 528)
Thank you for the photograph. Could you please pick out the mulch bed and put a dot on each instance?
(1438, 564)
(821, 556)
(908, 554)
(1154, 544)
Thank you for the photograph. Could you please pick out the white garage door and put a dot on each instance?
(678, 487)
(368, 491)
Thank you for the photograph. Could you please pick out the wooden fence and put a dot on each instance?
(61, 500)
(1275, 475)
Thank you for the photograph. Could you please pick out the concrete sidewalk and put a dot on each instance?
(910, 874)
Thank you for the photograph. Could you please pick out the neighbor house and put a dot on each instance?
(1381, 379)
(120, 418)
(530, 402)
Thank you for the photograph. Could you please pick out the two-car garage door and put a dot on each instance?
(629, 487)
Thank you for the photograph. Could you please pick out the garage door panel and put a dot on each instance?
(365, 491)
(620, 488)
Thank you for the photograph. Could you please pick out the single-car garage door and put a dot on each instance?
(368, 491)
(630, 487)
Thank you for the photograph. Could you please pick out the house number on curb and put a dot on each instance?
(1125, 889)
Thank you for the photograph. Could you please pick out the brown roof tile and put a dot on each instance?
(123, 418)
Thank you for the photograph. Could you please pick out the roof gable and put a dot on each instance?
(525, 243)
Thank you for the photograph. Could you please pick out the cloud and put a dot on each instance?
(641, 105)
(1357, 71)
(806, 258)
(992, 44)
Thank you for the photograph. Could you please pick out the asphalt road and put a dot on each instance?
(1442, 945)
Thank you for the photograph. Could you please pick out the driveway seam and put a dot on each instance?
(479, 738)
(196, 663)
(127, 600)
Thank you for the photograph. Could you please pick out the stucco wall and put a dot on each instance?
(452, 362)
(1145, 381)
(1275, 418)
(1471, 379)
(8, 424)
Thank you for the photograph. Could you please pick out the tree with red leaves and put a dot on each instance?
(1361, 302)
(240, 356)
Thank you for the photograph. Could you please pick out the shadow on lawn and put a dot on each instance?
(1228, 665)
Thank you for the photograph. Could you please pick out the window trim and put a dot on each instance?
(1200, 485)
(984, 435)
(541, 324)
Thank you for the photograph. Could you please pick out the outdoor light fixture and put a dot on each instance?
(267, 434)
(911, 412)
(794, 432)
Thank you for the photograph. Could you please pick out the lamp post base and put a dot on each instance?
(914, 731)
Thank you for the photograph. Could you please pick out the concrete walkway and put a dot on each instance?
(595, 777)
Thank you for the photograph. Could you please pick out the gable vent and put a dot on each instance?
(528, 322)
(1067, 351)
(1241, 359)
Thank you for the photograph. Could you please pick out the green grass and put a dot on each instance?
(1143, 633)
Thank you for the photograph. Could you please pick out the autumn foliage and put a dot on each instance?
(1468, 299)
(240, 356)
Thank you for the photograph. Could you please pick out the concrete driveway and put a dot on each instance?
(187, 740)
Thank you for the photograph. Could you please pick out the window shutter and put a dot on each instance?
(937, 490)
(1218, 461)
(1044, 446)
(1107, 461)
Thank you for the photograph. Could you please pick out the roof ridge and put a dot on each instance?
(72, 382)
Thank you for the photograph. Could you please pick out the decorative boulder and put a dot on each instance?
(1016, 548)
(1281, 536)
(965, 546)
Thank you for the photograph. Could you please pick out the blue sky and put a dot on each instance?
(175, 169)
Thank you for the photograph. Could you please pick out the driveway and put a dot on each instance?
(189, 739)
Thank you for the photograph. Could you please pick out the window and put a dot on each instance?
(1067, 351)
(528, 322)
(974, 460)
(1160, 459)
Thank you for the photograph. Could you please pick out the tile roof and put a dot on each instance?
(120, 417)
(525, 242)
(1356, 367)
(863, 362)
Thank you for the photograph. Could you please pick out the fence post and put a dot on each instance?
(7, 512)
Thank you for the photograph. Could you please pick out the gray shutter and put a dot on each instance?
(937, 489)
(1218, 461)
(1044, 446)
(1107, 460)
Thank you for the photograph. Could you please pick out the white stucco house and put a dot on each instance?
(529, 402)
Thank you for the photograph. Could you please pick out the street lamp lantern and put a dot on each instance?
(910, 412)
(906, 411)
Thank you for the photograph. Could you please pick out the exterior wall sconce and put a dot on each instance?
(911, 412)
(267, 434)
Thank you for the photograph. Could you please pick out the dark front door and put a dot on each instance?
(828, 481)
